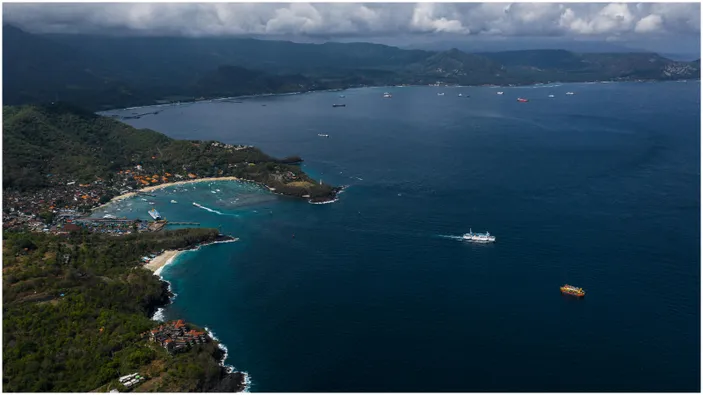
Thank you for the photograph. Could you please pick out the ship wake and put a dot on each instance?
(212, 210)
(458, 238)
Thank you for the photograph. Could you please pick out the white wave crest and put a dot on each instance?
(325, 202)
(229, 368)
(159, 315)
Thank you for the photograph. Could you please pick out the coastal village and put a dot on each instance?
(176, 336)
(64, 206)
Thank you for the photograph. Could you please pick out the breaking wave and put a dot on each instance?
(229, 368)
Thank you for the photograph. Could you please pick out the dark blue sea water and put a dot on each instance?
(375, 293)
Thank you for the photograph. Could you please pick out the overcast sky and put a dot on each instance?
(674, 25)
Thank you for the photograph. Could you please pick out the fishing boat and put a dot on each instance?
(571, 290)
(479, 237)
(521, 100)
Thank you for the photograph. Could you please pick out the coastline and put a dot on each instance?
(166, 258)
(253, 96)
(152, 188)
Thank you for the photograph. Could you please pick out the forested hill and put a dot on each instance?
(42, 144)
(100, 72)
(75, 310)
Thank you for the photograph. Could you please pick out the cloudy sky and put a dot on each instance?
(675, 26)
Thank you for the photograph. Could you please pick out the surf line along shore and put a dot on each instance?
(157, 264)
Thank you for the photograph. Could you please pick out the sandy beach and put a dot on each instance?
(166, 185)
(162, 260)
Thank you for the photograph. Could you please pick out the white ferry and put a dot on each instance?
(154, 214)
(479, 237)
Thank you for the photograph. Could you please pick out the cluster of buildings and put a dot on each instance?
(236, 147)
(175, 336)
(65, 200)
(130, 380)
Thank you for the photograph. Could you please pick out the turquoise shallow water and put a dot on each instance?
(600, 189)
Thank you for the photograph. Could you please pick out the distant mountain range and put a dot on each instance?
(100, 72)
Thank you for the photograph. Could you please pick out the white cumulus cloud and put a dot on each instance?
(357, 19)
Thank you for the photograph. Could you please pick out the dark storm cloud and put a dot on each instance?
(369, 19)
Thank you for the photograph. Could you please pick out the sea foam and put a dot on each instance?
(229, 368)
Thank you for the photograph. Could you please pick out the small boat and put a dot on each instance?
(173, 201)
(460, 95)
(569, 93)
(479, 237)
(499, 93)
(521, 100)
(339, 105)
(152, 203)
(109, 216)
(323, 135)
(571, 290)
(440, 94)
(213, 192)
(551, 95)
(387, 95)
(342, 96)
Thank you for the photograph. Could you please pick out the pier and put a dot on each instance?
(184, 223)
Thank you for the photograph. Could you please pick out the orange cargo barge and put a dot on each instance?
(571, 290)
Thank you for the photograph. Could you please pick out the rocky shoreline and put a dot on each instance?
(230, 380)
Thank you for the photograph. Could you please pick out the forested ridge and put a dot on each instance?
(75, 308)
(43, 143)
(102, 72)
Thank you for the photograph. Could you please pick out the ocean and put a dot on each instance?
(375, 292)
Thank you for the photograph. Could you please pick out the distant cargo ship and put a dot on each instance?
(479, 237)
(571, 290)
(155, 214)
